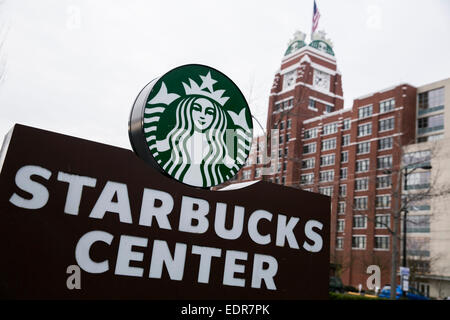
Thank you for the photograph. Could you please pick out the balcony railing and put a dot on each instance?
(430, 110)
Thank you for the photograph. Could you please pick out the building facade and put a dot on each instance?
(428, 192)
(354, 155)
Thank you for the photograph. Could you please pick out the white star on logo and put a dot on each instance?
(207, 82)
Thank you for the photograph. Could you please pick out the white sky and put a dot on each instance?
(75, 67)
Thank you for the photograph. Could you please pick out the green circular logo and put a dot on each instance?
(196, 125)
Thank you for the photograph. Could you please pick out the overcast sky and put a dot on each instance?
(76, 66)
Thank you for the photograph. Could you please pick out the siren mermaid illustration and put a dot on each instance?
(197, 143)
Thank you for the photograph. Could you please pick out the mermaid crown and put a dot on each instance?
(207, 83)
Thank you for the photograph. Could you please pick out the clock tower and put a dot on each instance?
(308, 84)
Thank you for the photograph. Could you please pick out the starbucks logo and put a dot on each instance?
(194, 124)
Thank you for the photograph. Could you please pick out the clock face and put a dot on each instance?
(321, 80)
(322, 47)
(289, 80)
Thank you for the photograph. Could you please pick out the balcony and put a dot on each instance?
(430, 110)
(430, 129)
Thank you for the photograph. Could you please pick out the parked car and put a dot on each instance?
(336, 285)
(412, 294)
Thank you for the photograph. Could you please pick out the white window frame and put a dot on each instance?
(327, 140)
(310, 181)
(360, 160)
(365, 133)
(367, 184)
(383, 119)
(340, 203)
(365, 241)
(330, 155)
(383, 195)
(379, 140)
(375, 243)
(383, 226)
(385, 156)
(308, 161)
(308, 144)
(365, 142)
(343, 225)
(361, 197)
(324, 172)
(340, 239)
(346, 173)
(381, 176)
(333, 125)
(344, 138)
(360, 216)
(366, 107)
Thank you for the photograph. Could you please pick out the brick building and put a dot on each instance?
(349, 154)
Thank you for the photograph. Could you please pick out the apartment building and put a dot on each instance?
(354, 155)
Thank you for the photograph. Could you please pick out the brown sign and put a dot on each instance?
(84, 220)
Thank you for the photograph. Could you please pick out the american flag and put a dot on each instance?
(315, 19)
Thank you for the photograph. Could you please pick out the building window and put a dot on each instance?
(281, 125)
(341, 207)
(343, 173)
(383, 201)
(387, 105)
(417, 159)
(362, 184)
(339, 243)
(277, 180)
(385, 143)
(342, 190)
(346, 124)
(344, 156)
(307, 178)
(384, 162)
(381, 242)
(312, 105)
(364, 129)
(288, 136)
(360, 203)
(384, 182)
(359, 222)
(310, 133)
(257, 172)
(345, 140)
(382, 221)
(309, 148)
(430, 124)
(431, 101)
(329, 128)
(385, 124)
(328, 191)
(327, 160)
(365, 112)
(329, 108)
(359, 242)
(286, 151)
(418, 224)
(281, 139)
(418, 180)
(362, 165)
(283, 180)
(246, 174)
(289, 80)
(363, 147)
(340, 225)
(326, 176)
(284, 165)
(329, 144)
(308, 163)
(289, 123)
